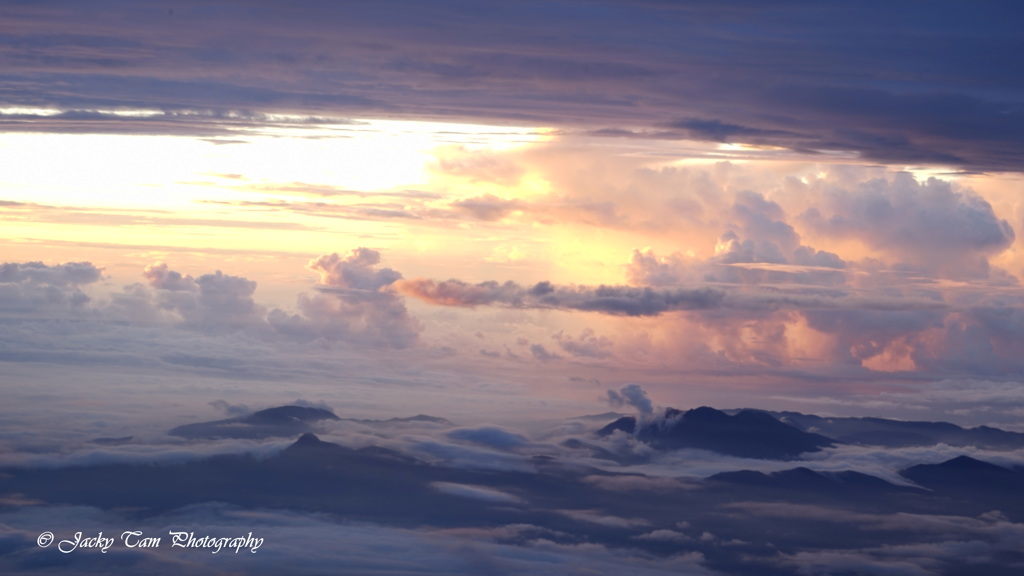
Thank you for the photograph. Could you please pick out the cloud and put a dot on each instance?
(159, 276)
(479, 166)
(766, 238)
(638, 483)
(541, 353)
(607, 520)
(216, 302)
(756, 245)
(490, 436)
(956, 544)
(647, 269)
(586, 345)
(718, 131)
(227, 300)
(68, 274)
(478, 493)
(933, 224)
(458, 456)
(230, 409)
(632, 395)
(487, 207)
(615, 300)
(664, 536)
(34, 287)
(860, 335)
(571, 68)
(353, 303)
(355, 271)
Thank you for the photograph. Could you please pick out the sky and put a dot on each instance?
(505, 214)
(776, 205)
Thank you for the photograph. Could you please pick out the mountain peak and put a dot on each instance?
(309, 439)
(626, 424)
(702, 413)
(968, 463)
(282, 414)
(749, 433)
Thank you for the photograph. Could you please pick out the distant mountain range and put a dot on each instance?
(748, 433)
(899, 434)
(281, 422)
(786, 435)
(737, 521)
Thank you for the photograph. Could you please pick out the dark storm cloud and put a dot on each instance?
(889, 80)
(716, 130)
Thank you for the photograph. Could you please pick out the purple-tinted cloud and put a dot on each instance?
(34, 287)
(353, 303)
(615, 300)
(938, 88)
(932, 224)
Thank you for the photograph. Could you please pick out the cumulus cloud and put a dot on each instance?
(766, 238)
(227, 300)
(355, 271)
(353, 302)
(34, 287)
(67, 274)
(587, 345)
(934, 225)
(859, 335)
(756, 246)
(159, 275)
(645, 268)
(211, 302)
(632, 395)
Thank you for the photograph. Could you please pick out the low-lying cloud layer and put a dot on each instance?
(535, 499)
